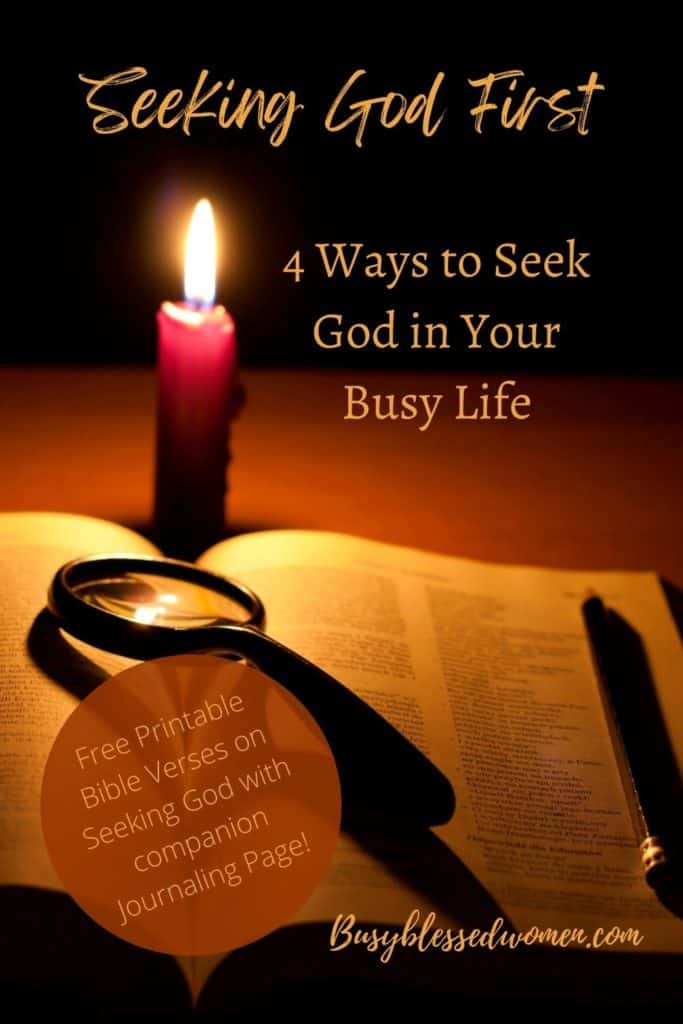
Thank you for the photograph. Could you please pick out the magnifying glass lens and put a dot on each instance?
(161, 601)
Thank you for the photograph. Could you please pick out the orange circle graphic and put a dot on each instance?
(190, 805)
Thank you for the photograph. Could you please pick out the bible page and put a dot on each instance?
(488, 670)
(34, 704)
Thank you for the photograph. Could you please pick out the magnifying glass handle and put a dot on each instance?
(379, 768)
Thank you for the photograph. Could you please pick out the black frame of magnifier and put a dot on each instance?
(378, 767)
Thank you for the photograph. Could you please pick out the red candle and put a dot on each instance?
(198, 392)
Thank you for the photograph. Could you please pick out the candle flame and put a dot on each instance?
(200, 256)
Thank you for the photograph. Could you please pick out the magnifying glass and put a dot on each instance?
(143, 608)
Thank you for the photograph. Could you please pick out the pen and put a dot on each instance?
(654, 855)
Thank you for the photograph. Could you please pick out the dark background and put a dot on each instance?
(108, 213)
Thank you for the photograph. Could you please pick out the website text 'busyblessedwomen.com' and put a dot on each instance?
(422, 937)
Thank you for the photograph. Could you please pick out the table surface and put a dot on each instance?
(592, 480)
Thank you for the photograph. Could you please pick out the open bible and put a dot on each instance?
(486, 668)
